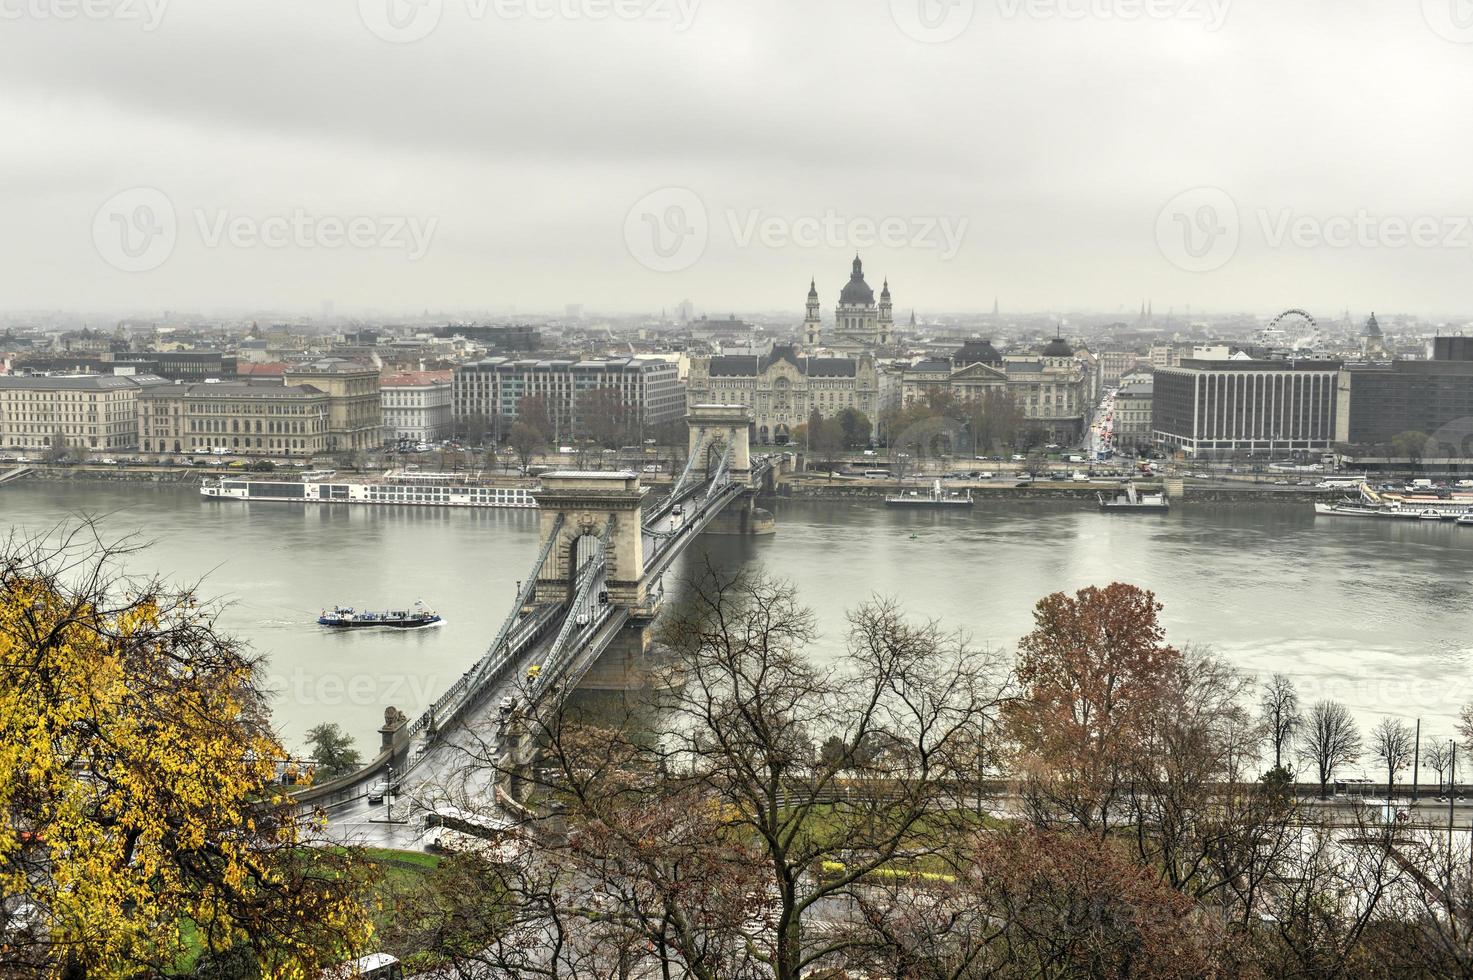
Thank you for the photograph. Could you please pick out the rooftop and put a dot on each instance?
(79, 382)
(738, 366)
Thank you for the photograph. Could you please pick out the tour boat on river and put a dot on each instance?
(1419, 504)
(346, 617)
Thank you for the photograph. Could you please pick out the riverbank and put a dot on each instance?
(113, 474)
(1049, 490)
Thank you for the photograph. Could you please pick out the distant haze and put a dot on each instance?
(628, 154)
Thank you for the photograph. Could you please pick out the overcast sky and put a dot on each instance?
(394, 155)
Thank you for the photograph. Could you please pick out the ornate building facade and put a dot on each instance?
(1051, 387)
(783, 387)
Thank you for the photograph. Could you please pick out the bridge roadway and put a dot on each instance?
(448, 756)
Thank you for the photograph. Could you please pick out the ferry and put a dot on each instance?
(935, 497)
(1416, 504)
(346, 617)
(1133, 501)
(397, 488)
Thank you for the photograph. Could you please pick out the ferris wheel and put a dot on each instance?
(1294, 329)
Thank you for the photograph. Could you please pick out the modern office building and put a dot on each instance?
(92, 412)
(417, 405)
(647, 389)
(356, 418)
(184, 365)
(247, 418)
(1378, 402)
(1240, 405)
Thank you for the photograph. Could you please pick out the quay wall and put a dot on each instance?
(878, 490)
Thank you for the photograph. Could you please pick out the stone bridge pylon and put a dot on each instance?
(713, 428)
(577, 507)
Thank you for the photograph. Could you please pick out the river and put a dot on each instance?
(1378, 614)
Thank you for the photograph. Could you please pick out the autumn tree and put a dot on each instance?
(1279, 712)
(1394, 743)
(1093, 674)
(332, 751)
(139, 781)
(1330, 741)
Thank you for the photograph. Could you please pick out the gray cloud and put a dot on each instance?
(1057, 142)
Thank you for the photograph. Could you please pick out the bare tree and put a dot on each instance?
(1437, 755)
(1331, 740)
(1465, 730)
(721, 842)
(1394, 745)
(1279, 711)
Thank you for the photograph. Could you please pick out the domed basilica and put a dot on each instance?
(860, 325)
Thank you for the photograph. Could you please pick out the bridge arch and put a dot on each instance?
(587, 502)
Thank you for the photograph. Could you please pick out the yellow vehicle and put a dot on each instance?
(533, 671)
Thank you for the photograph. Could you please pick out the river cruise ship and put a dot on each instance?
(393, 488)
(1407, 505)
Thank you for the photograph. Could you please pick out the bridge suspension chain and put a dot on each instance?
(723, 468)
(529, 587)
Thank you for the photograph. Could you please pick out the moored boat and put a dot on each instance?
(1132, 501)
(935, 497)
(346, 617)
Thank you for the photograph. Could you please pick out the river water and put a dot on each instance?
(1378, 614)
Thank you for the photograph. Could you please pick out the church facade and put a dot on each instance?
(860, 324)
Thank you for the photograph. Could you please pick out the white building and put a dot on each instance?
(95, 411)
(417, 405)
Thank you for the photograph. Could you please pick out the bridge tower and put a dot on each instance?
(713, 425)
(586, 502)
